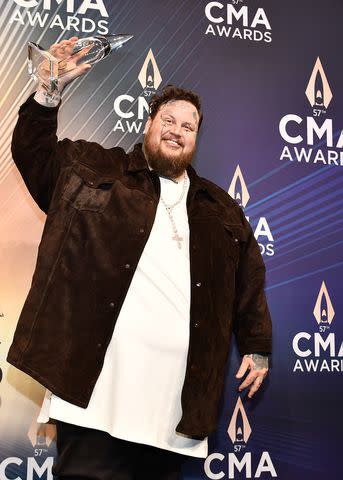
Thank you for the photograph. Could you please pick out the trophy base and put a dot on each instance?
(43, 68)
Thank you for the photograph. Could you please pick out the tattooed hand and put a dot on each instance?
(258, 366)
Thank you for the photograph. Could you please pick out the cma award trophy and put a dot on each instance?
(47, 69)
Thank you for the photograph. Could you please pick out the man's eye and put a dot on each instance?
(168, 121)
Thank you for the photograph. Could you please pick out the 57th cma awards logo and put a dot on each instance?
(239, 431)
(39, 465)
(296, 130)
(131, 110)
(241, 22)
(312, 348)
(239, 191)
(76, 22)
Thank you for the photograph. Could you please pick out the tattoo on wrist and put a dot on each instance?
(51, 101)
(259, 361)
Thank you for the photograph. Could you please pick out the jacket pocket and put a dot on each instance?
(87, 189)
(236, 237)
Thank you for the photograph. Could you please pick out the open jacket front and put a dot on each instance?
(100, 205)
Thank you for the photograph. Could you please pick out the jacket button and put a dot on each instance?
(196, 325)
(99, 345)
(198, 284)
(127, 266)
(112, 304)
(193, 367)
(91, 183)
(236, 240)
(141, 230)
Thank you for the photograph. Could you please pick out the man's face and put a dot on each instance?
(170, 138)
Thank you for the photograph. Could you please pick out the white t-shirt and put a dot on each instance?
(137, 396)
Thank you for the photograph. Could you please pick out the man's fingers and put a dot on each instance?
(245, 365)
(83, 68)
(255, 386)
(82, 52)
(242, 369)
(63, 49)
(255, 378)
(258, 371)
(68, 77)
(248, 381)
(68, 49)
(58, 51)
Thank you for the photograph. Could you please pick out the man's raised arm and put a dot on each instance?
(36, 151)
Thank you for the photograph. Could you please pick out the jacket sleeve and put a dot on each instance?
(37, 153)
(252, 323)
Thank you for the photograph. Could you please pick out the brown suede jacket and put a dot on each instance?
(100, 205)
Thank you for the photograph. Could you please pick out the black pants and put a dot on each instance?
(85, 453)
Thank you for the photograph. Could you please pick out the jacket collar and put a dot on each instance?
(137, 162)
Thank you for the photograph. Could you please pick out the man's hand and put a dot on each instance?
(68, 68)
(258, 366)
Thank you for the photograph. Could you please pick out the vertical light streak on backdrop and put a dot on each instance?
(8, 122)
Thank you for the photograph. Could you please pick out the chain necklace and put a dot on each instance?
(169, 209)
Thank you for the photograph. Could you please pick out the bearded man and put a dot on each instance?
(143, 272)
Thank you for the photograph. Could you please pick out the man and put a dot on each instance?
(143, 271)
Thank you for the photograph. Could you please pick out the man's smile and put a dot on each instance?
(174, 143)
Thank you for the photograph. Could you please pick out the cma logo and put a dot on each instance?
(239, 191)
(149, 76)
(82, 5)
(312, 348)
(323, 311)
(239, 428)
(239, 431)
(130, 109)
(296, 130)
(73, 22)
(233, 22)
(32, 468)
(318, 90)
(41, 435)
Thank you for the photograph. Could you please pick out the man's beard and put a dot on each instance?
(171, 166)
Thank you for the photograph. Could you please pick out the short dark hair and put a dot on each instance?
(170, 92)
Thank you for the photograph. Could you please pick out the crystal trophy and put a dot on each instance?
(47, 69)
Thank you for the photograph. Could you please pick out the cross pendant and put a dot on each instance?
(178, 240)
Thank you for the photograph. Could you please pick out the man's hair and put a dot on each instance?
(169, 93)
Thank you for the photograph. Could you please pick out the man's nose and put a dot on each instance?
(176, 129)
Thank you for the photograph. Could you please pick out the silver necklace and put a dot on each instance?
(169, 209)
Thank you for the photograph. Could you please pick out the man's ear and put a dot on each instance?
(147, 125)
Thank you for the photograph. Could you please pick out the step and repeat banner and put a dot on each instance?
(270, 76)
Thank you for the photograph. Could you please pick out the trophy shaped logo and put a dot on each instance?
(318, 91)
(238, 189)
(323, 310)
(239, 429)
(41, 434)
(149, 76)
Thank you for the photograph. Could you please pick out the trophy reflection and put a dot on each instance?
(47, 69)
